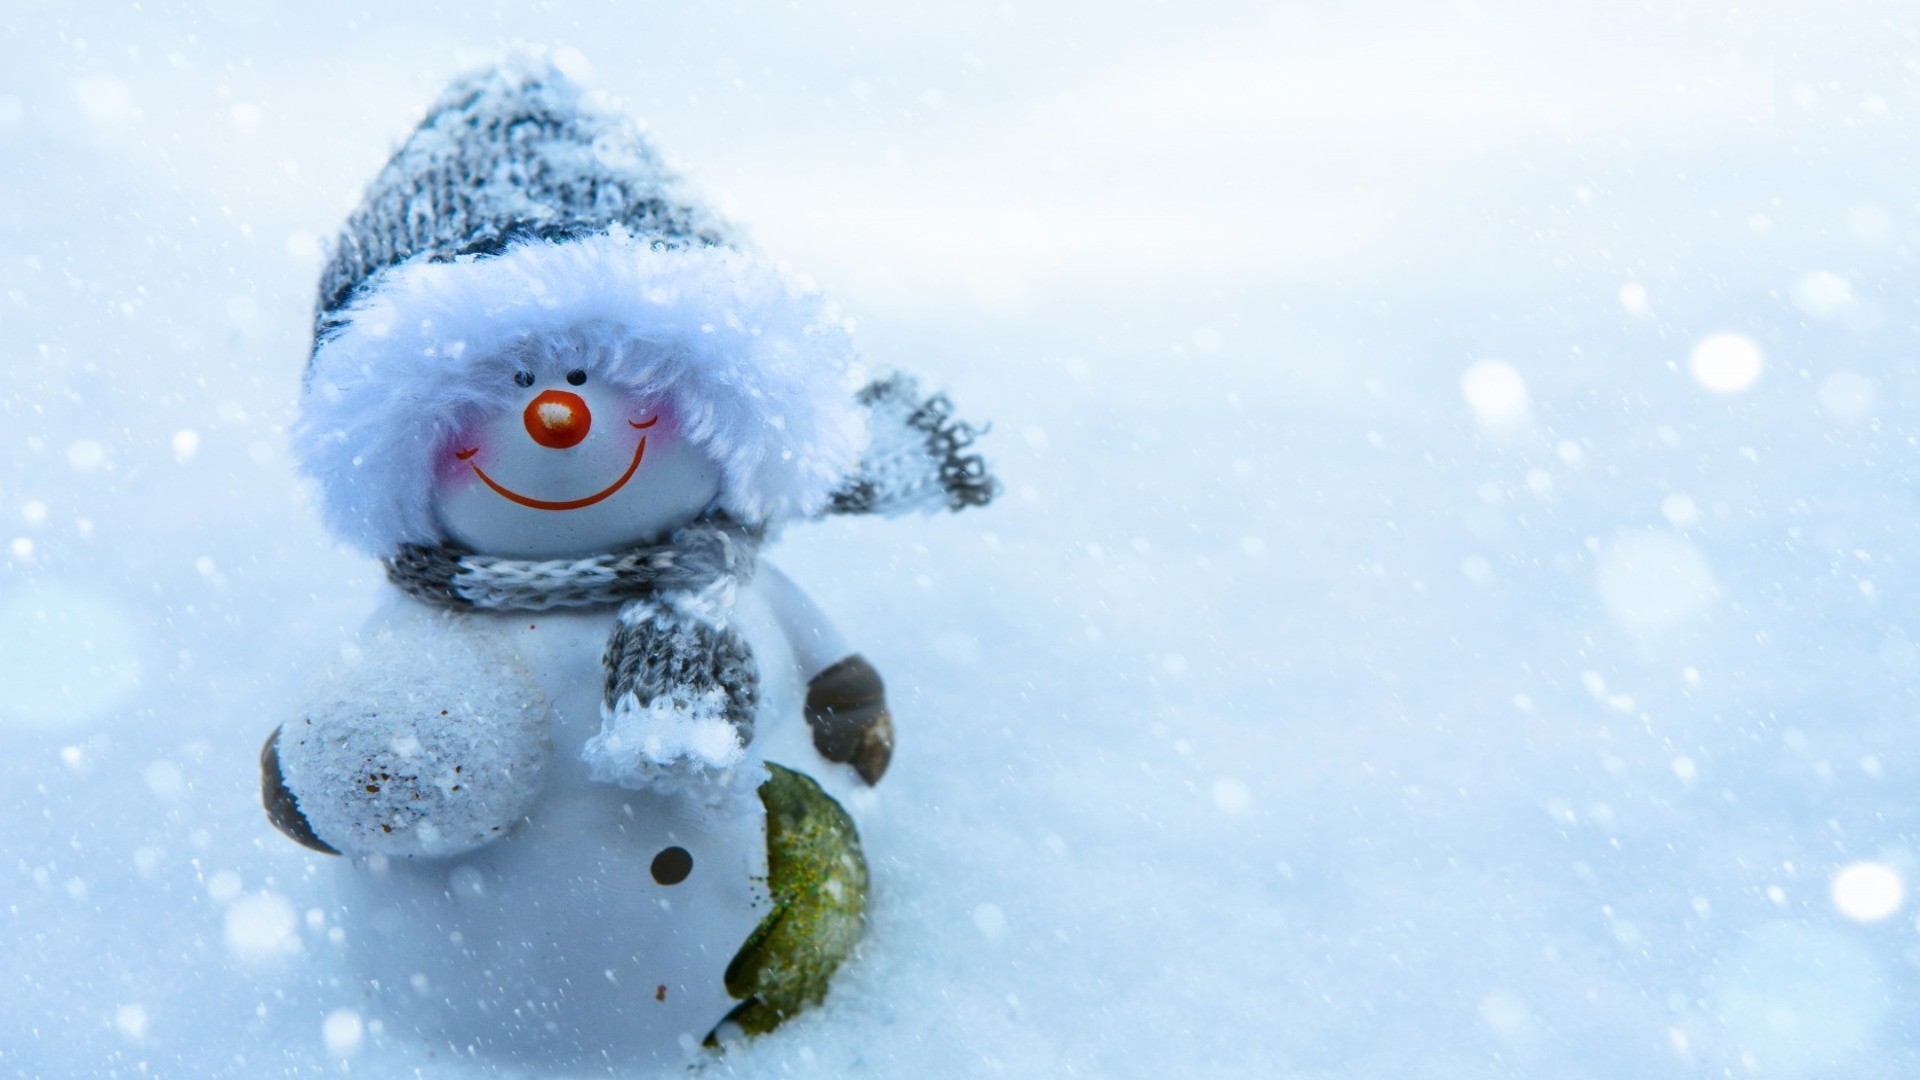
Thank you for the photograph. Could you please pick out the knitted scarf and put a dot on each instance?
(681, 683)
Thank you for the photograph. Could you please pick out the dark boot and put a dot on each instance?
(282, 809)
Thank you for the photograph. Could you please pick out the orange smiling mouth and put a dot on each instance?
(564, 504)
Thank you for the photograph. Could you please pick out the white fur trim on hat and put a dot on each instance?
(757, 371)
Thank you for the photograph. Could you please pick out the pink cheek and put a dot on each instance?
(661, 429)
(450, 471)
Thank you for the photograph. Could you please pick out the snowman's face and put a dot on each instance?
(572, 466)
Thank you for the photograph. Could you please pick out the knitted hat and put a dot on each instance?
(523, 224)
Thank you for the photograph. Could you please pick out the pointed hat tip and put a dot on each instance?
(558, 72)
(531, 61)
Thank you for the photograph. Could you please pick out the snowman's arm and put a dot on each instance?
(817, 644)
(426, 736)
(846, 701)
(283, 810)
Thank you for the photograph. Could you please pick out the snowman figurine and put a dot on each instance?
(579, 766)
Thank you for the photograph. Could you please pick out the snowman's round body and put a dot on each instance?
(600, 929)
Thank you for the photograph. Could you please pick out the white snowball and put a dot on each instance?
(344, 1032)
(467, 881)
(1495, 392)
(1868, 891)
(262, 926)
(957, 647)
(430, 737)
(239, 12)
(1650, 581)
(1726, 363)
(223, 885)
(1506, 1015)
(1870, 222)
(1633, 298)
(165, 780)
(616, 150)
(86, 454)
(304, 246)
(990, 920)
(104, 99)
(1800, 997)
(1847, 395)
(1231, 796)
(1899, 656)
(70, 658)
(1679, 510)
(1822, 294)
(131, 1020)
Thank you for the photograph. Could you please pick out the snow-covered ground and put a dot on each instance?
(1452, 615)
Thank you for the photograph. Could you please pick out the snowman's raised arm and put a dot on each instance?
(846, 701)
(916, 457)
(916, 460)
(817, 643)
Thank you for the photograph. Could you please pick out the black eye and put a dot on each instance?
(523, 378)
(672, 866)
(577, 377)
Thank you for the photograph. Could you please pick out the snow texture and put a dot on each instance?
(425, 738)
(1276, 722)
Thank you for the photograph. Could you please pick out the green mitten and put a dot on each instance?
(818, 880)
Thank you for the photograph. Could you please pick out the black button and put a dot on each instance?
(672, 866)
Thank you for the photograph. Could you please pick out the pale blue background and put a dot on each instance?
(1288, 717)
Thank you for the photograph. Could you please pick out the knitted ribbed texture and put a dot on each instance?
(681, 651)
(452, 577)
(507, 153)
(915, 456)
(681, 682)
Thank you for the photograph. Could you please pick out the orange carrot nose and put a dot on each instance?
(558, 419)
